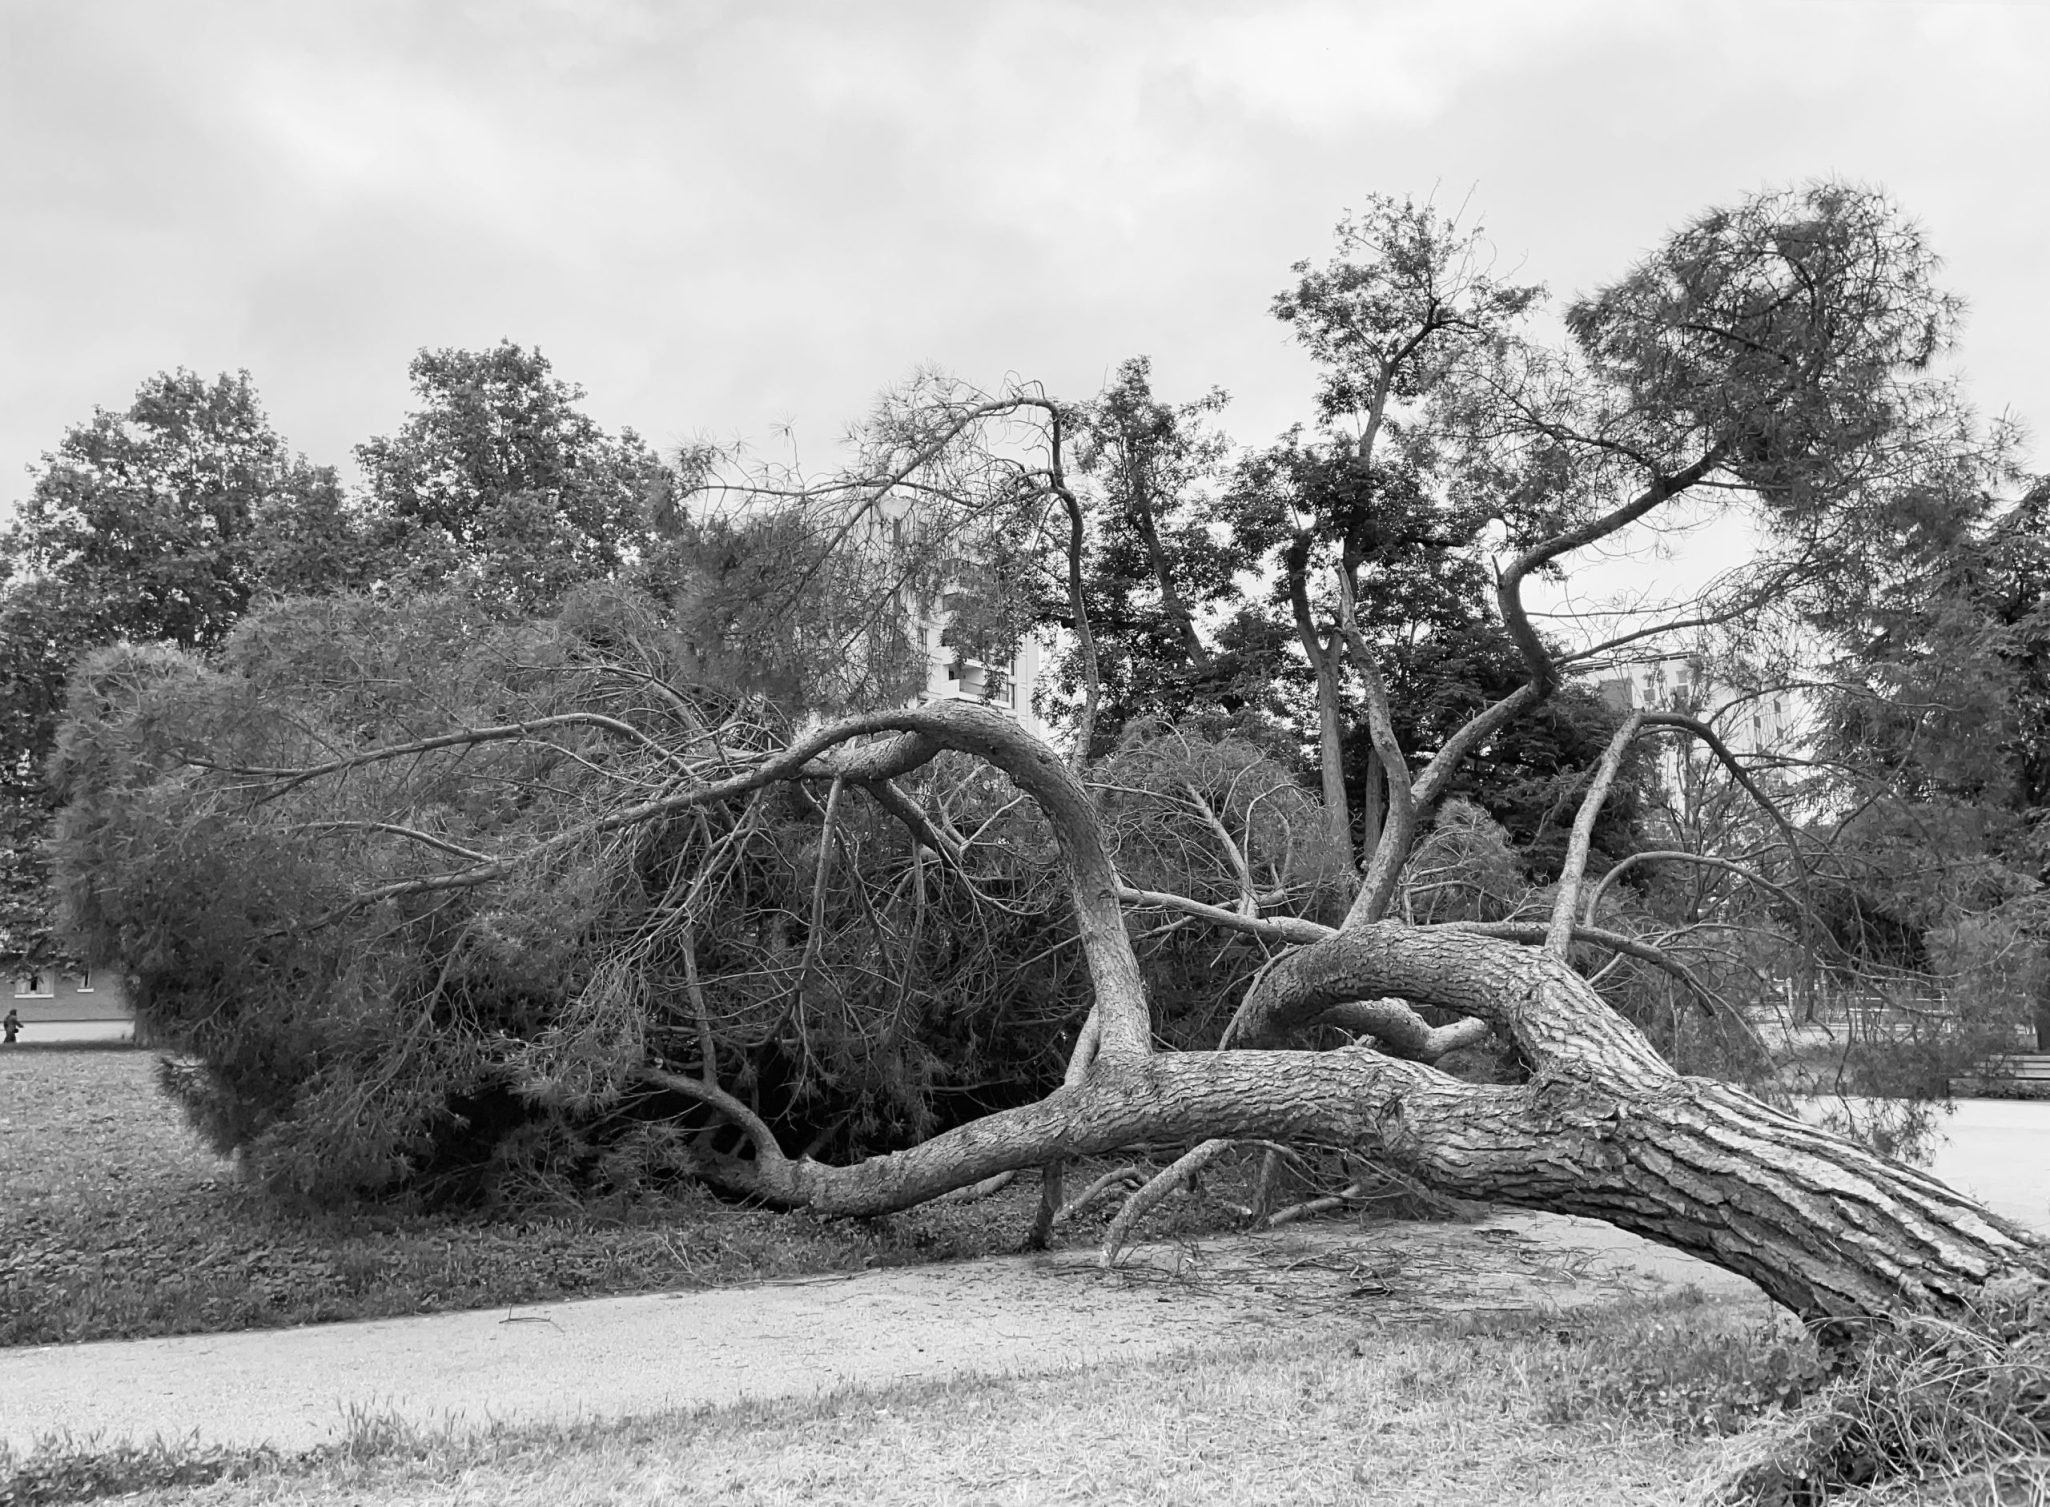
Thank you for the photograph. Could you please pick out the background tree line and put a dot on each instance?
(862, 973)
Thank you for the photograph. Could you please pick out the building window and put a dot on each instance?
(32, 986)
(85, 981)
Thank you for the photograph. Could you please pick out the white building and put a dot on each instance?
(951, 676)
(1749, 722)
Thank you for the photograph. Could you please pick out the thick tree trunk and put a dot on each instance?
(1604, 1129)
(1821, 1225)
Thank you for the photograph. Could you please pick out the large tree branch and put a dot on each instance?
(1566, 906)
(1822, 1225)
(1509, 586)
(293, 776)
(1526, 995)
(1399, 826)
(1613, 941)
(1445, 763)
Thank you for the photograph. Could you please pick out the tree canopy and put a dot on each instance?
(166, 521)
(452, 888)
(498, 481)
(156, 523)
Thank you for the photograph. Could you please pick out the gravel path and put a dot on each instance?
(620, 1357)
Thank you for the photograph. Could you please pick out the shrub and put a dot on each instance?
(854, 990)
(1936, 1410)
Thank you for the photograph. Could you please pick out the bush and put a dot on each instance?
(350, 1039)
(1935, 1410)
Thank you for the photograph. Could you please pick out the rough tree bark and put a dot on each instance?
(1604, 1128)
(1765, 350)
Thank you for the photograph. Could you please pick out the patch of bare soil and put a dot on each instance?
(633, 1356)
(1401, 1272)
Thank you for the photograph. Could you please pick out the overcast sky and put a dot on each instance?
(721, 218)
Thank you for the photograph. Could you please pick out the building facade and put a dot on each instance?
(1749, 722)
(55, 994)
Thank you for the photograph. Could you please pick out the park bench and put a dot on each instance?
(2023, 1075)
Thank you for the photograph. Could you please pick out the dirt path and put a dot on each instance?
(619, 1357)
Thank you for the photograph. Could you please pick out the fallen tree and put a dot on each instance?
(1776, 351)
(1604, 1128)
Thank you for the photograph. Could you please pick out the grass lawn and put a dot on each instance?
(1628, 1404)
(116, 1222)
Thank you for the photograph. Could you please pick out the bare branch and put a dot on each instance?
(1509, 586)
(1566, 907)
(1129, 1175)
(414, 834)
(1680, 855)
(1140, 1204)
(768, 1155)
(1399, 827)
(1401, 1032)
(891, 797)
(1287, 929)
(1249, 898)
(464, 738)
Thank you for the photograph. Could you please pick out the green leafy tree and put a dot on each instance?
(1422, 604)
(500, 485)
(158, 522)
(1407, 304)
(1158, 567)
(1936, 729)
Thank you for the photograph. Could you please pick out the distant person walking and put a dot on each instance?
(12, 1026)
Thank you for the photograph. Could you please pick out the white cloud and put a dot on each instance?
(716, 214)
(1325, 64)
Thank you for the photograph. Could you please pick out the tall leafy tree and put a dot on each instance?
(1421, 601)
(1407, 304)
(160, 521)
(1160, 566)
(1936, 726)
(500, 484)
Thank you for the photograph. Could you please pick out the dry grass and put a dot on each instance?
(1458, 1414)
(1934, 1412)
(117, 1223)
